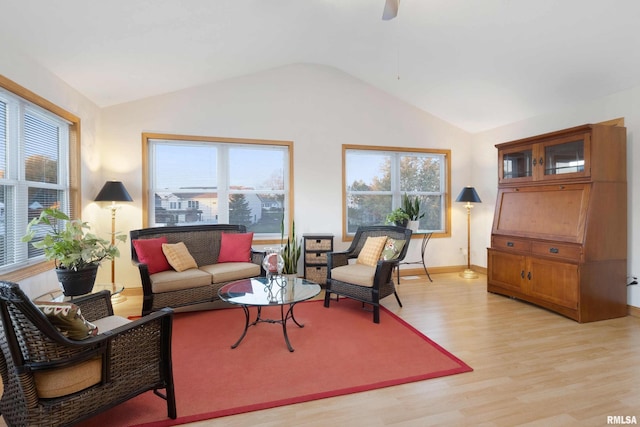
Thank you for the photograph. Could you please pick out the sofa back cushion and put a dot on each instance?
(150, 252)
(235, 247)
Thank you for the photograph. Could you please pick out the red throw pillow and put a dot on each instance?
(235, 247)
(150, 252)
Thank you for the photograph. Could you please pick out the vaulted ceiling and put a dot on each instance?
(477, 64)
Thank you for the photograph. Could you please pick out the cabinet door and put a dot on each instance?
(515, 164)
(506, 270)
(553, 281)
(563, 158)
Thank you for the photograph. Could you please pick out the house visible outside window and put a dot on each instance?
(376, 178)
(35, 174)
(208, 180)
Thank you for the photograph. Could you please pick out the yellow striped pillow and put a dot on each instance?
(178, 256)
(370, 252)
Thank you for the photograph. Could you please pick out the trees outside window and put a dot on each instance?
(376, 178)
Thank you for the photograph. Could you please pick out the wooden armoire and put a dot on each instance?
(559, 236)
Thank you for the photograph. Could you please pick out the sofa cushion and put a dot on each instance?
(178, 256)
(68, 319)
(228, 271)
(370, 252)
(150, 252)
(171, 280)
(358, 274)
(235, 247)
(392, 249)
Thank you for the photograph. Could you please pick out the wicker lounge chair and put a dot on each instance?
(108, 368)
(379, 280)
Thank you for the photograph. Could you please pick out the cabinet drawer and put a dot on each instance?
(315, 257)
(318, 244)
(511, 244)
(316, 274)
(557, 250)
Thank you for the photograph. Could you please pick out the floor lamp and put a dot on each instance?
(114, 191)
(468, 195)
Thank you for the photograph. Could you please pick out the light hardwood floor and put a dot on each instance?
(531, 367)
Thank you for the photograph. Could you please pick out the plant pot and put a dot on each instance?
(76, 283)
(413, 225)
(402, 223)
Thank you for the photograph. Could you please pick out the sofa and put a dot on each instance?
(184, 266)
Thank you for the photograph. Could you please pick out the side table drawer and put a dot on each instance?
(316, 274)
(318, 244)
(315, 257)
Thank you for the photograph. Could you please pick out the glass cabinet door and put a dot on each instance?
(517, 164)
(567, 157)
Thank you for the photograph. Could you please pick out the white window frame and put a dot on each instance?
(19, 101)
(223, 189)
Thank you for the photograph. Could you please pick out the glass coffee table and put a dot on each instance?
(274, 291)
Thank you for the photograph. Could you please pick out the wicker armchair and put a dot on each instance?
(379, 281)
(130, 359)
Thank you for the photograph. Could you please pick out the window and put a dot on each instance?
(207, 180)
(376, 178)
(38, 150)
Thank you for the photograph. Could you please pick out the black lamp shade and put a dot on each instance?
(468, 194)
(113, 191)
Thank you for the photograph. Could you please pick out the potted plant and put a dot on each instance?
(398, 217)
(76, 252)
(290, 250)
(411, 205)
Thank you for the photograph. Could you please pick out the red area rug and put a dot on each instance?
(339, 351)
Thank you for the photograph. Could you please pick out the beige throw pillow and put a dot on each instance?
(178, 256)
(68, 319)
(370, 252)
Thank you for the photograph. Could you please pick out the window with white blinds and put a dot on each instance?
(34, 173)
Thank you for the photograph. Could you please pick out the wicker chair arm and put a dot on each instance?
(384, 271)
(95, 306)
(337, 259)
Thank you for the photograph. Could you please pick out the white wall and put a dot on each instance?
(623, 104)
(319, 109)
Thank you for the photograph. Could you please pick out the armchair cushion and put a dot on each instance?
(178, 256)
(358, 274)
(235, 247)
(392, 249)
(150, 252)
(63, 381)
(66, 317)
(70, 379)
(370, 253)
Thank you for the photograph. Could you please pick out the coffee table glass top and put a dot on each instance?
(259, 291)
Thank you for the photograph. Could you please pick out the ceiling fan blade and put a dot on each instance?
(390, 9)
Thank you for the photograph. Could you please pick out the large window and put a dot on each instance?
(207, 180)
(36, 171)
(376, 178)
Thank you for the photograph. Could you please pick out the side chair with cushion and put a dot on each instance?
(65, 362)
(375, 251)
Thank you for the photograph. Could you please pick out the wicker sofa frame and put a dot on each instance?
(203, 242)
(383, 284)
(135, 358)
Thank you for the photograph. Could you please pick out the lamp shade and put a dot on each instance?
(113, 191)
(468, 194)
